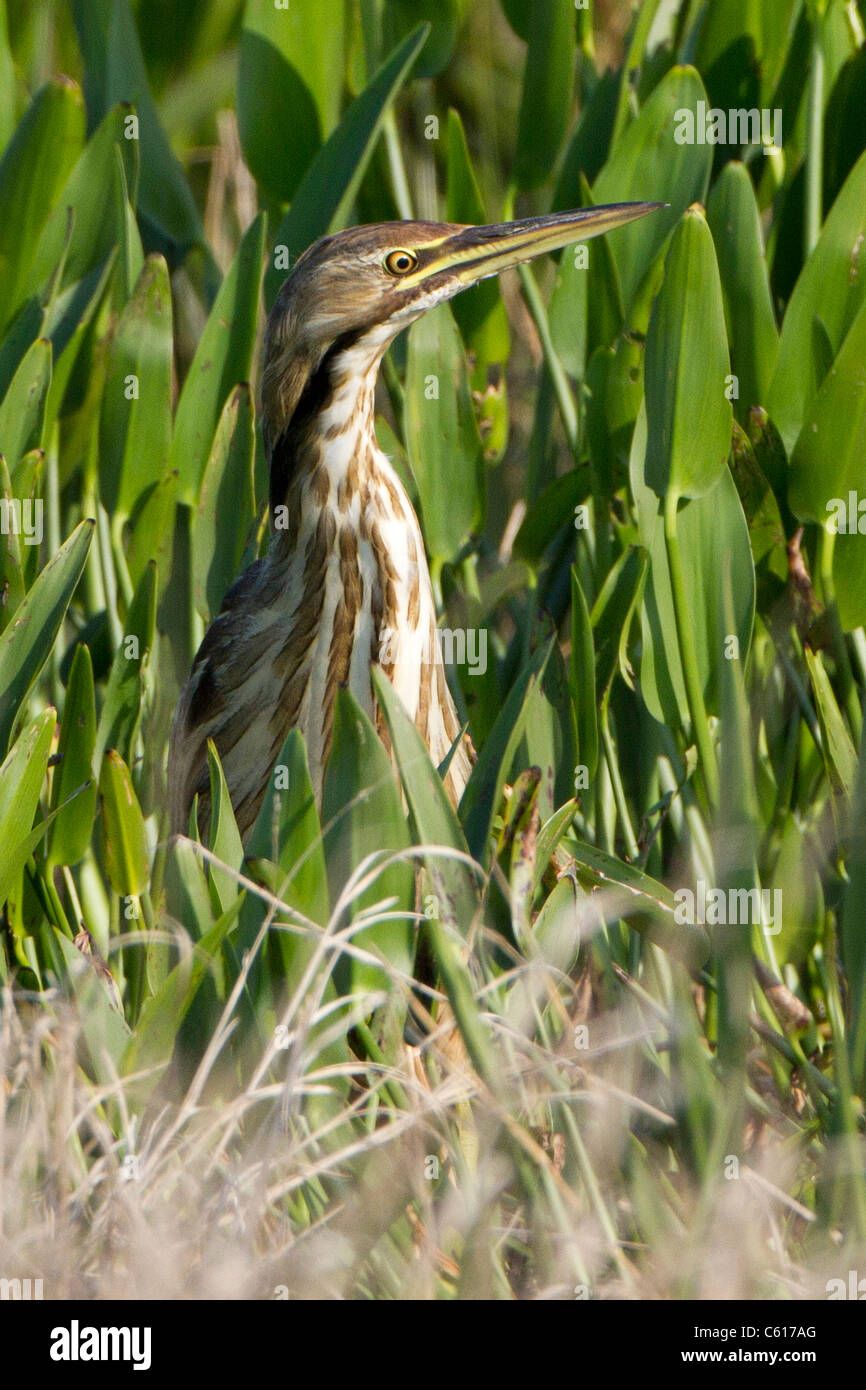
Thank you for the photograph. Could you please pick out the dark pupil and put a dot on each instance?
(401, 262)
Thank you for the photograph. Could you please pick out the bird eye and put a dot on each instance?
(400, 262)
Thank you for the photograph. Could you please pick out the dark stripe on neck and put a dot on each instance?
(287, 454)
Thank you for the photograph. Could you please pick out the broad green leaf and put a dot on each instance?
(287, 831)
(548, 742)
(135, 420)
(567, 310)
(362, 814)
(21, 777)
(744, 42)
(432, 814)
(840, 755)
(686, 367)
(548, 514)
(121, 708)
(7, 82)
(849, 577)
(151, 532)
(442, 434)
(73, 825)
(827, 462)
(151, 1045)
(223, 359)
(480, 312)
(483, 794)
(766, 529)
(22, 412)
(454, 902)
(614, 380)
(831, 288)
(605, 314)
(130, 253)
(88, 191)
(325, 196)
(548, 80)
(443, 16)
(115, 72)
(583, 692)
(226, 505)
(124, 839)
(612, 616)
(709, 529)
(33, 171)
(27, 642)
(732, 214)
(652, 161)
(225, 839)
(647, 905)
(67, 325)
(290, 61)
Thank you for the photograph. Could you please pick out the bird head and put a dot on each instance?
(361, 286)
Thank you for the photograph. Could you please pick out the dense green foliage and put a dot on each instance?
(485, 1053)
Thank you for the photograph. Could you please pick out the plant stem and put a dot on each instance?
(813, 199)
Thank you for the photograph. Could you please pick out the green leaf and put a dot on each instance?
(734, 220)
(832, 288)
(483, 794)
(689, 417)
(124, 839)
(21, 777)
(432, 814)
(151, 1045)
(442, 434)
(121, 709)
(362, 814)
(7, 81)
(614, 380)
(67, 324)
(27, 642)
(647, 905)
(289, 64)
(612, 616)
(33, 170)
(88, 191)
(827, 462)
(709, 528)
(226, 506)
(452, 910)
(583, 692)
(22, 412)
(287, 831)
(548, 80)
(115, 72)
(73, 825)
(223, 359)
(225, 839)
(648, 163)
(325, 196)
(479, 311)
(443, 16)
(840, 755)
(135, 420)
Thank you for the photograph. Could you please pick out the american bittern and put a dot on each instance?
(346, 562)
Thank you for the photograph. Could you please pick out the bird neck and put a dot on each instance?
(334, 416)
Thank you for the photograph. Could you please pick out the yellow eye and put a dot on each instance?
(400, 262)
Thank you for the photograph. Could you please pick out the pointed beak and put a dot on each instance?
(472, 253)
